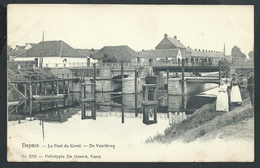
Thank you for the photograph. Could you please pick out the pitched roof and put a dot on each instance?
(16, 52)
(117, 53)
(87, 52)
(32, 44)
(164, 44)
(201, 53)
(195, 53)
(52, 49)
(158, 53)
(20, 47)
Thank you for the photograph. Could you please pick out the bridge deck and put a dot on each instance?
(177, 68)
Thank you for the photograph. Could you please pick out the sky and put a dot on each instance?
(138, 26)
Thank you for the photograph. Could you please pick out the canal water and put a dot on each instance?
(106, 105)
(108, 109)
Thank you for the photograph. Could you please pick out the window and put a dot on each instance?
(138, 60)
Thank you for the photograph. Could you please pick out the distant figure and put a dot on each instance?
(250, 86)
(192, 61)
(150, 61)
(179, 61)
(222, 98)
(210, 61)
(205, 61)
(235, 96)
(200, 61)
(186, 61)
(177, 75)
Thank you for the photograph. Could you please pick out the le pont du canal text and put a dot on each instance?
(29, 146)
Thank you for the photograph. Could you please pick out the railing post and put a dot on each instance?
(57, 87)
(136, 93)
(219, 72)
(94, 79)
(30, 86)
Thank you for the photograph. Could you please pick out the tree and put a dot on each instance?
(237, 56)
(251, 54)
(236, 52)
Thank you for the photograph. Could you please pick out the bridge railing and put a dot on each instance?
(129, 64)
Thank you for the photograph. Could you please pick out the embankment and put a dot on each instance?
(203, 121)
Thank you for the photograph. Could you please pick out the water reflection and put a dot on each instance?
(47, 110)
(121, 107)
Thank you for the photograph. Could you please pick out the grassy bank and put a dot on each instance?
(204, 120)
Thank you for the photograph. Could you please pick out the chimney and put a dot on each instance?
(175, 37)
(142, 50)
(206, 51)
(203, 50)
(199, 49)
(178, 40)
(165, 35)
(195, 49)
(188, 46)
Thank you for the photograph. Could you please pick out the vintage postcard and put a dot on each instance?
(130, 83)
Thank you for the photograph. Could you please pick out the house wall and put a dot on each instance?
(52, 61)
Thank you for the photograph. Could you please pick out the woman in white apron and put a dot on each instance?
(222, 98)
(235, 95)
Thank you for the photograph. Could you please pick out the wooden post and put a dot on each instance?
(25, 90)
(40, 87)
(52, 88)
(83, 111)
(94, 110)
(155, 114)
(167, 75)
(30, 111)
(122, 73)
(64, 87)
(64, 102)
(82, 91)
(122, 76)
(94, 80)
(182, 84)
(57, 87)
(136, 93)
(168, 93)
(154, 94)
(123, 114)
(68, 87)
(40, 106)
(25, 107)
(45, 89)
(146, 93)
(30, 84)
(36, 89)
